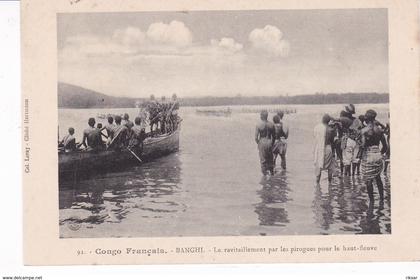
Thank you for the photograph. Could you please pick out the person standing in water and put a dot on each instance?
(372, 162)
(323, 156)
(387, 132)
(354, 140)
(347, 144)
(281, 134)
(264, 137)
(360, 152)
(351, 140)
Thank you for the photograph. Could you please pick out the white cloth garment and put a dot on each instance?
(319, 147)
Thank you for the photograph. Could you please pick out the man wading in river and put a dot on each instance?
(323, 156)
(281, 132)
(264, 136)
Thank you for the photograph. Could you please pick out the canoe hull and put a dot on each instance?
(76, 166)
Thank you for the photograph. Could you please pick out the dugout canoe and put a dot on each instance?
(79, 165)
(217, 113)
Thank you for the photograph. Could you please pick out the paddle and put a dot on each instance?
(134, 154)
(113, 139)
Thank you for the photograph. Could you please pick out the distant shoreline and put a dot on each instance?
(235, 105)
(74, 97)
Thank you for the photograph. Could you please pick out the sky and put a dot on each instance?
(225, 53)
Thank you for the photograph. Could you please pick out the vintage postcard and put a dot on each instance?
(220, 132)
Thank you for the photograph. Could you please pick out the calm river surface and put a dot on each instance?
(213, 185)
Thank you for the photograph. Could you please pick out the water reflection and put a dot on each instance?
(322, 208)
(149, 190)
(371, 223)
(274, 194)
(218, 181)
(343, 206)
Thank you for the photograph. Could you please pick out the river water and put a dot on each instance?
(213, 185)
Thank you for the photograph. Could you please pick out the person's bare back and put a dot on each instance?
(264, 129)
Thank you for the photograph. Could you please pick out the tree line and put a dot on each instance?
(319, 98)
(70, 96)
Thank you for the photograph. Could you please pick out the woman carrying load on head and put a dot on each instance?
(372, 162)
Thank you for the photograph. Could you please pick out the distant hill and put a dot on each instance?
(70, 96)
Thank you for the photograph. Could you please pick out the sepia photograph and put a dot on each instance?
(223, 123)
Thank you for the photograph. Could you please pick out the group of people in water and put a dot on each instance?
(121, 132)
(355, 143)
(352, 142)
(271, 138)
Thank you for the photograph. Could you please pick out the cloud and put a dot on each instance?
(227, 44)
(160, 38)
(130, 36)
(175, 33)
(269, 40)
(90, 45)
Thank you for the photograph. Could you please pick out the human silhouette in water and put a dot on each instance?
(264, 137)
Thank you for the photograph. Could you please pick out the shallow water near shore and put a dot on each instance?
(213, 185)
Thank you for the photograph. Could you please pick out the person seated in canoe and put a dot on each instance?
(138, 135)
(92, 139)
(69, 141)
(110, 127)
(129, 124)
(101, 128)
(120, 135)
